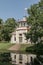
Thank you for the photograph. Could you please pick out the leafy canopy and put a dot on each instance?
(35, 20)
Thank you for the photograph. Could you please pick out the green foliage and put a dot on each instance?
(35, 20)
(36, 62)
(5, 34)
(36, 49)
(5, 57)
(1, 26)
(40, 58)
(6, 28)
(11, 24)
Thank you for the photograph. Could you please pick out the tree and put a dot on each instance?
(9, 26)
(5, 34)
(1, 26)
(35, 20)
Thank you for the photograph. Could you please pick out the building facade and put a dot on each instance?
(18, 36)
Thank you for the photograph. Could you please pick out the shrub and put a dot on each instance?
(36, 49)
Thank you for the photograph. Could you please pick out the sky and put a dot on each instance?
(15, 8)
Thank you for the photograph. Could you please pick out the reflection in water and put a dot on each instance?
(22, 59)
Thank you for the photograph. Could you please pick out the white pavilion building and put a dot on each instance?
(18, 36)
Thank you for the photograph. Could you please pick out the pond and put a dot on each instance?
(13, 58)
(22, 59)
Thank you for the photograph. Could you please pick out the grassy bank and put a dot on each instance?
(24, 46)
(4, 46)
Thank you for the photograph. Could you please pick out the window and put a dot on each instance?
(24, 24)
(20, 62)
(20, 57)
(31, 59)
(14, 56)
(14, 38)
(20, 34)
(20, 39)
